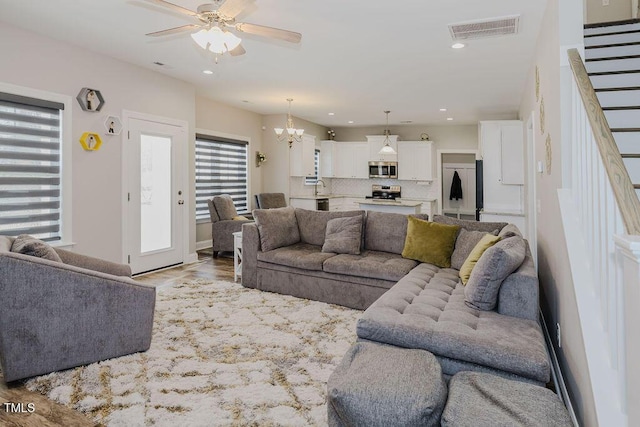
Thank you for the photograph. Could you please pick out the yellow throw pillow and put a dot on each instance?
(430, 242)
(239, 218)
(485, 243)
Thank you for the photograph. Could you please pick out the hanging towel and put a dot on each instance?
(456, 187)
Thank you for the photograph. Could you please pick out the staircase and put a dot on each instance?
(612, 59)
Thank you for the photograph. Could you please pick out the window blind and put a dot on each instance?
(30, 166)
(221, 168)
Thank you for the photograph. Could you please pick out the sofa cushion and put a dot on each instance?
(28, 245)
(485, 243)
(487, 227)
(509, 230)
(466, 241)
(475, 396)
(299, 255)
(493, 267)
(313, 224)
(5, 243)
(374, 264)
(224, 207)
(277, 227)
(343, 236)
(426, 310)
(386, 232)
(430, 242)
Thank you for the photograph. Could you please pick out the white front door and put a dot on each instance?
(155, 193)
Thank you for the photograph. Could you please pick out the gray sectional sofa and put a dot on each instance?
(408, 303)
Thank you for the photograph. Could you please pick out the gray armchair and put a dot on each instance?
(270, 201)
(57, 315)
(224, 222)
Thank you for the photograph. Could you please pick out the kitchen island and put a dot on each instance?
(393, 206)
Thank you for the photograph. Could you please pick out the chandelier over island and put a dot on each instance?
(292, 133)
(387, 148)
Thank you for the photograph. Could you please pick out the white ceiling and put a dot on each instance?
(356, 59)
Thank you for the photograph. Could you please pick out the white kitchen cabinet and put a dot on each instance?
(429, 208)
(415, 161)
(376, 142)
(336, 203)
(496, 140)
(327, 149)
(301, 157)
(351, 203)
(350, 160)
(303, 203)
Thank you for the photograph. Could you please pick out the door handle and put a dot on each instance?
(181, 202)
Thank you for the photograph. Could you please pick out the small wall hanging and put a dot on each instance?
(113, 125)
(537, 84)
(90, 99)
(548, 154)
(542, 123)
(90, 141)
(260, 158)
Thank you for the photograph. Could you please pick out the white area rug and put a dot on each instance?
(221, 354)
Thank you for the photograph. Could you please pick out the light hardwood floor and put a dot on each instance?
(48, 413)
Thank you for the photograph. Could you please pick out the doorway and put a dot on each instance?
(154, 192)
(464, 163)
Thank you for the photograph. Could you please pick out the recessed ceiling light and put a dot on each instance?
(332, 114)
(350, 122)
(449, 118)
(457, 45)
(208, 72)
(443, 109)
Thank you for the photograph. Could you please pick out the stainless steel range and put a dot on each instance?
(385, 192)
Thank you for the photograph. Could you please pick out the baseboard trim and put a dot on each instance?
(191, 258)
(204, 244)
(556, 374)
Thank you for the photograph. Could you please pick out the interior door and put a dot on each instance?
(155, 195)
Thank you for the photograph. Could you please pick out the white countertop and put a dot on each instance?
(389, 202)
(502, 212)
(335, 196)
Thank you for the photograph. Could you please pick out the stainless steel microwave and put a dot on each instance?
(383, 169)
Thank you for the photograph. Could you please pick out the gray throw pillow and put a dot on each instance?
(487, 227)
(277, 227)
(28, 245)
(225, 207)
(466, 241)
(493, 267)
(343, 235)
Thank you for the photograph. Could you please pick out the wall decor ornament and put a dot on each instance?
(260, 158)
(548, 154)
(112, 125)
(90, 99)
(332, 134)
(542, 124)
(90, 141)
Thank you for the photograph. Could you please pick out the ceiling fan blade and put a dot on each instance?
(231, 8)
(174, 30)
(174, 7)
(276, 33)
(239, 50)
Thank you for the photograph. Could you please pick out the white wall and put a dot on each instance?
(37, 62)
(558, 299)
(223, 120)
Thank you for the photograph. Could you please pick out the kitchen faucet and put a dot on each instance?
(315, 187)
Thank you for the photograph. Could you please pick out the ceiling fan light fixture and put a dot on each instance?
(216, 40)
(201, 38)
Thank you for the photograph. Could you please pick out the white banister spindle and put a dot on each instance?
(604, 222)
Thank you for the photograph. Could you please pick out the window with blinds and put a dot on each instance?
(313, 180)
(221, 168)
(30, 166)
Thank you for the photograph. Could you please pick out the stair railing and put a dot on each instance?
(605, 221)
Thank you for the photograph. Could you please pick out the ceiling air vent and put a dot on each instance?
(484, 28)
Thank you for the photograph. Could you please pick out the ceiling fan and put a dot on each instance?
(213, 22)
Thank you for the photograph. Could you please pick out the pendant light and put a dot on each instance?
(387, 148)
(292, 133)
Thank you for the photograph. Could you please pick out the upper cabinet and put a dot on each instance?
(344, 159)
(376, 142)
(415, 160)
(301, 157)
(502, 145)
